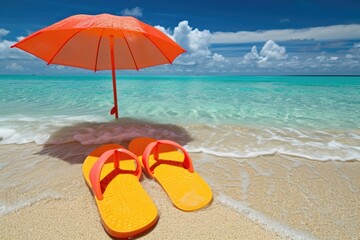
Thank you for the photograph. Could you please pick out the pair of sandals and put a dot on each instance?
(113, 173)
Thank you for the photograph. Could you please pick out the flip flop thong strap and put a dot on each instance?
(108, 156)
(154, 147)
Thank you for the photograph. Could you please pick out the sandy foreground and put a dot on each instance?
(272, 197)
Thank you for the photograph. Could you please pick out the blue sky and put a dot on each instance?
(221, 37)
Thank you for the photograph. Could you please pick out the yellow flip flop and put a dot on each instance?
(113, 174)
(174, 171)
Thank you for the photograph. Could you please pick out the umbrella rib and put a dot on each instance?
(97, 50)
(130, 52)
(49, 62)
(158, 48)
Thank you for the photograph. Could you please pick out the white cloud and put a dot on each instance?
(136, 12)
(345, 63)
(271, 50)
(19, 38)
(254, 62)
(355, 50)
(218, 57)
(193, 40)
(196, 42)
(321, 58)
(4, 32)
(253, 55)
(338, 32)
(14, 67)
(5, 44)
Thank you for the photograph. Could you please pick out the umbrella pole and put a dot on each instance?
(115, 108)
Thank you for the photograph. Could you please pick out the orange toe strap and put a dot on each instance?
(108, 156)
(154, 146)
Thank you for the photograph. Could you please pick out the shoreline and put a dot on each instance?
(318, 199)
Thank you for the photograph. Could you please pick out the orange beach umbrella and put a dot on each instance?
(102, 42)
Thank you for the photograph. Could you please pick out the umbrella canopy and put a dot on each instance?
(102, 42)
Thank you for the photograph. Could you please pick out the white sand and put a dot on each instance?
(320, 199)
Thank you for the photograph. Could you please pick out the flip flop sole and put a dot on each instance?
(126, 210)
(187, 190)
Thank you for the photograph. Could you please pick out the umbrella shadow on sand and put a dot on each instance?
(74, 143)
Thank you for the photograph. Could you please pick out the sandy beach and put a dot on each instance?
(275, 197)
(265, 99)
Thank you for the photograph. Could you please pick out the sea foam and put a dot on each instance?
(6, 208)
(268, 223)
(227, 141)
(231, 141)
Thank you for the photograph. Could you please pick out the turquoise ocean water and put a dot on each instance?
(288, 101)
(317, 117)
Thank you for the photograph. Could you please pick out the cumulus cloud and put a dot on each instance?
(136, 12)
(218, 57)
(196, 42)
(271, 51)
(326, 59)
(353, 54)
(19, 38)
(5, 44)
(252, 55)
(14, 67)
(338, 32)
(4, 32)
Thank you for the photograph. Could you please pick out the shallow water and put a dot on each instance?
(316, 118)
(287, 101)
